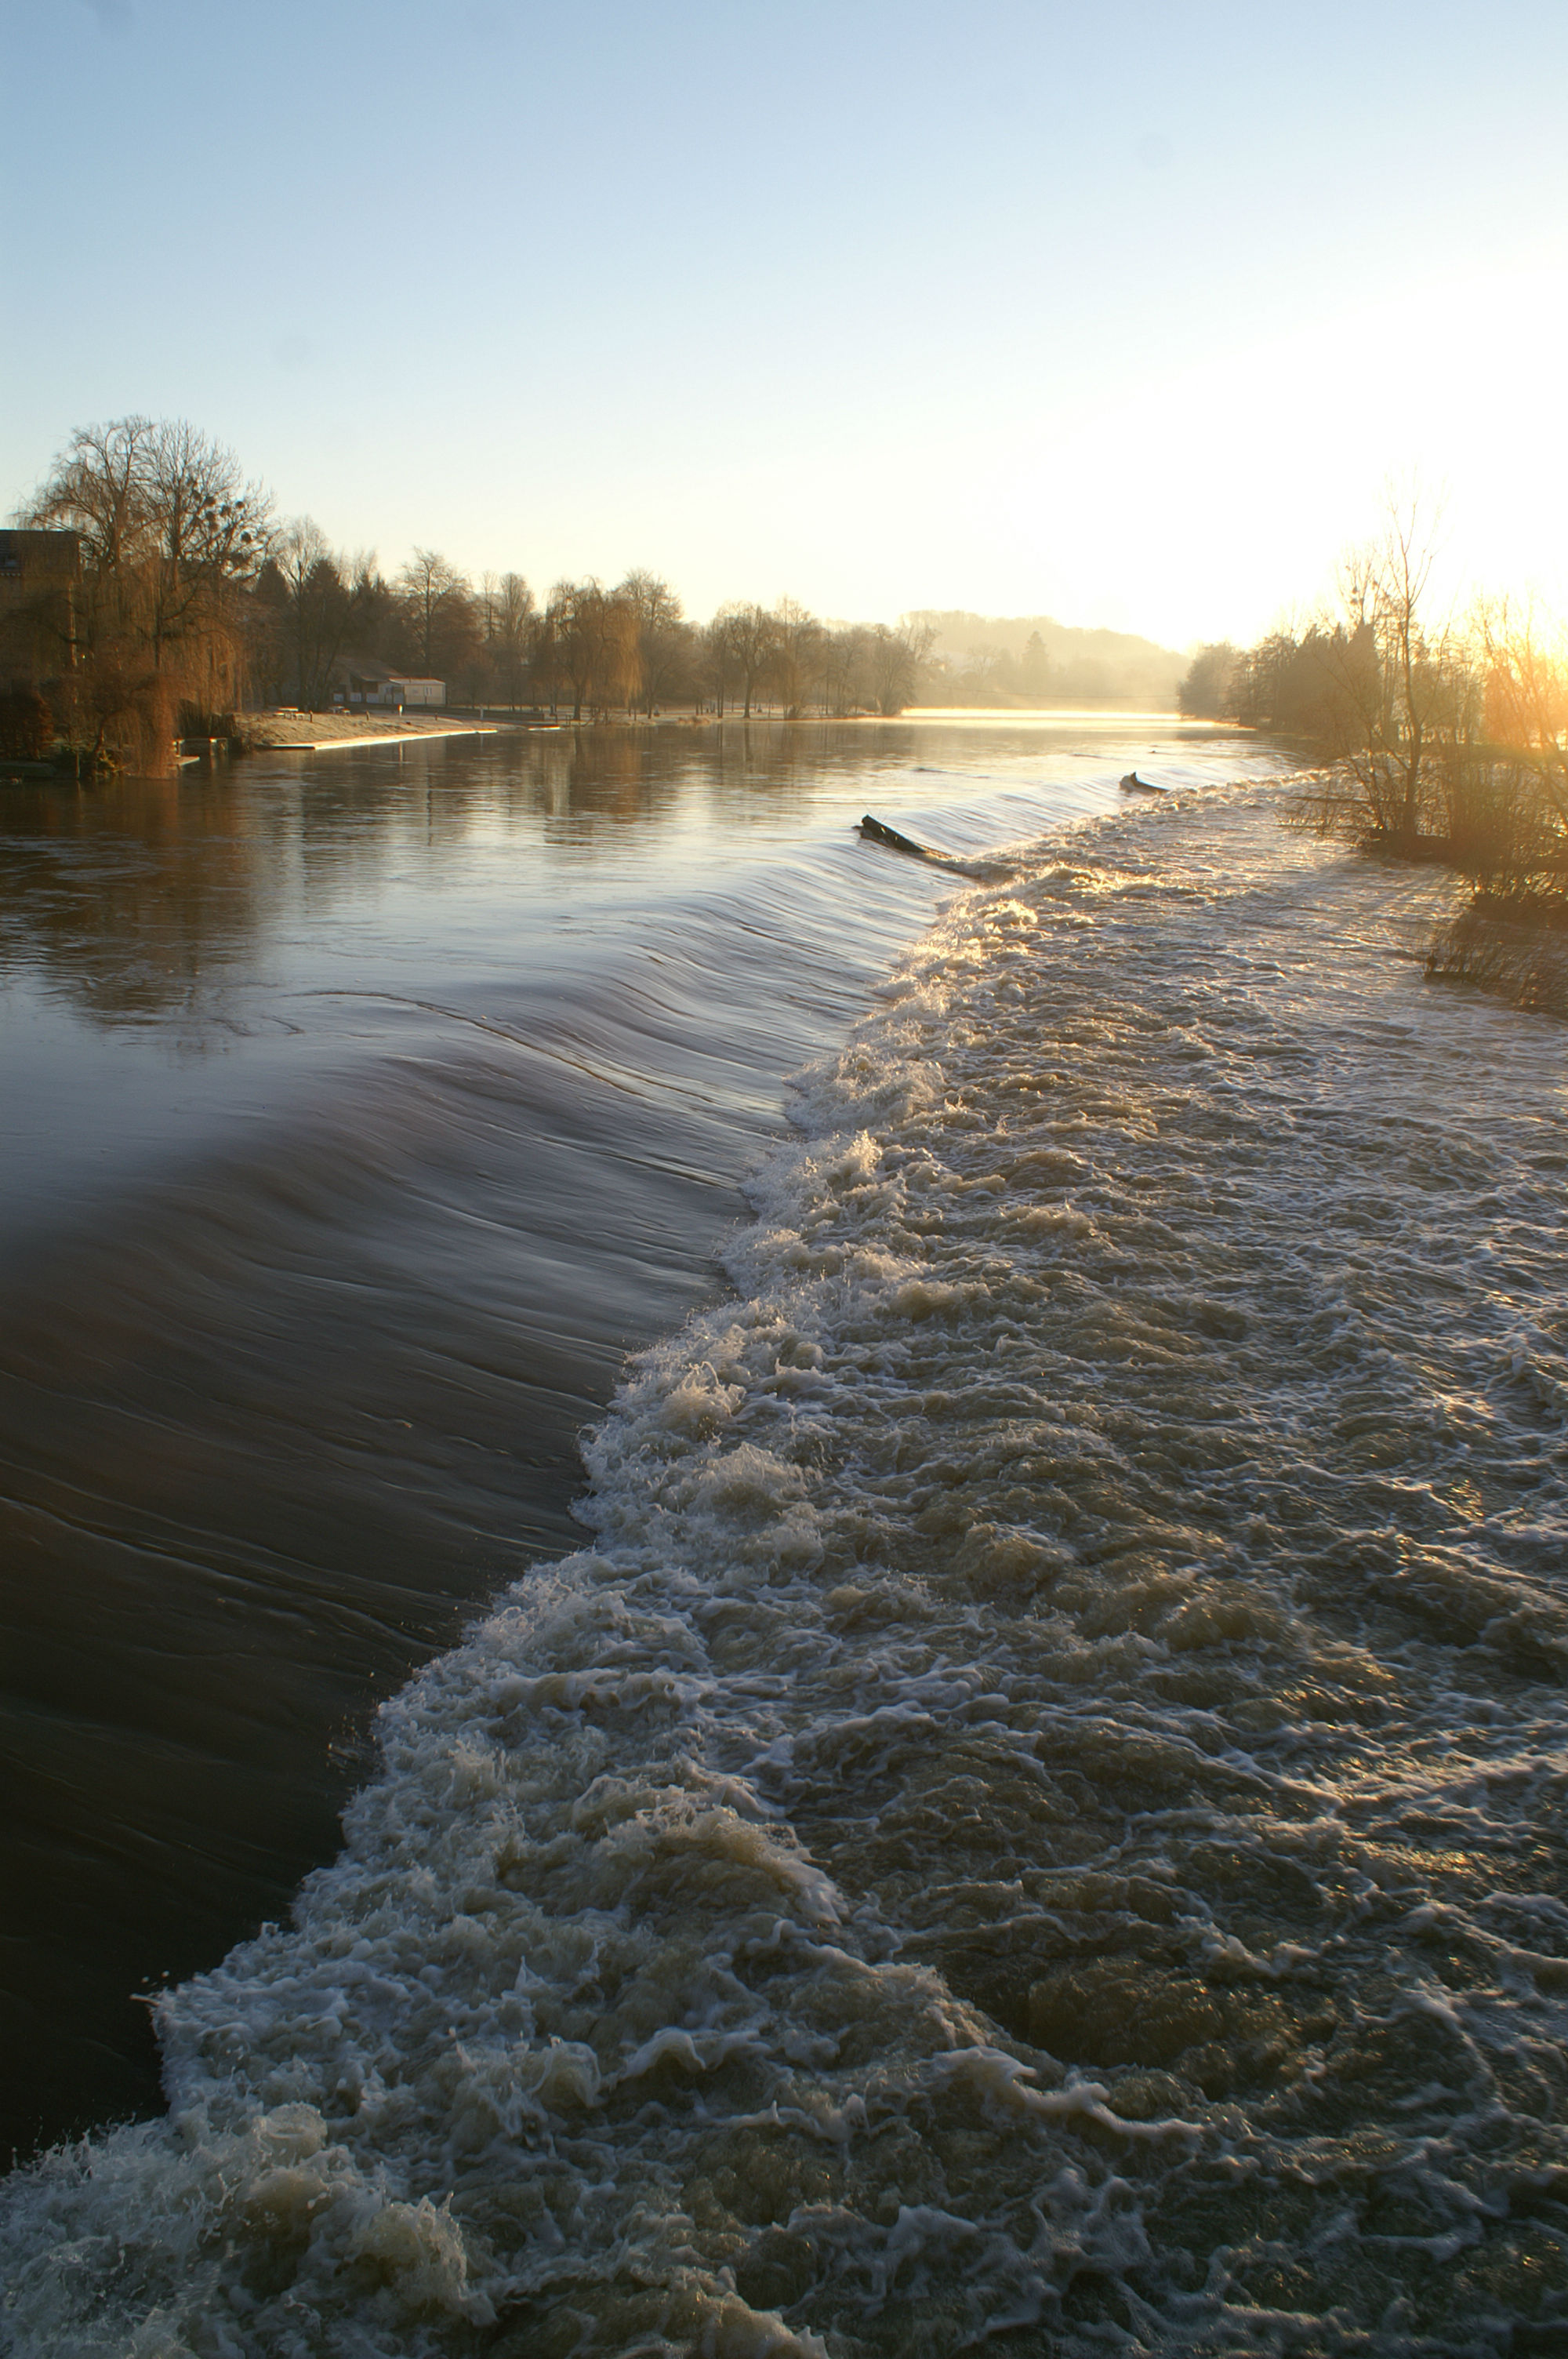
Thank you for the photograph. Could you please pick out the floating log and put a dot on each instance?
(878, 833)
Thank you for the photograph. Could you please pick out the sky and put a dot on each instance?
(1124, 312)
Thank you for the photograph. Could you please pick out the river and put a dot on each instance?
(1027, 1803)
(364, 1112)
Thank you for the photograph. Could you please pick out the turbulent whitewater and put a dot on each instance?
(1040, 1815)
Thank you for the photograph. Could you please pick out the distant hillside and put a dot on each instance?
(1032, 659)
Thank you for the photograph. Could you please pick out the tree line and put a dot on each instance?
(192, 599)
(589, 650)
(1442, 737)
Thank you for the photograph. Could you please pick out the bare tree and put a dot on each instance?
(718, 662)
(590, 637)
(166, 521)
(663, 644)
(210, 526)
(439, 613)
(515, 629)
(577, 622)
(797, 635)
(1398, 572)
(895, 659)
(747, 635)
(97, 488)
(172, 536)
(1406, 690)
(841, 663)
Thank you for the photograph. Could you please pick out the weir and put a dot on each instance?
(1057, 1719)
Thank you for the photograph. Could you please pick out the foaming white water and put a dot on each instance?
(1040, 1815)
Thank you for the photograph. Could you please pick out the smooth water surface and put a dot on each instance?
(362, 1111)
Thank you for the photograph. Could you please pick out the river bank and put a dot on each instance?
(287, 731)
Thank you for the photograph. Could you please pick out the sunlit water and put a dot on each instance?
(1037, 1813)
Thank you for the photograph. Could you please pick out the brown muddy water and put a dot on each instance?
(1029, 1810)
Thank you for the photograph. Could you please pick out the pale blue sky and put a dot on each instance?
(1121, 313)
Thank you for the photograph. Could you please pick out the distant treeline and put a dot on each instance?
(1034, 660)
(587, 651)
(1441, 739)
(186, 600)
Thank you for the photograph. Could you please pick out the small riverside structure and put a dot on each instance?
(371, 686)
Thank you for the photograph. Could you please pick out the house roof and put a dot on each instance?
(369, 668)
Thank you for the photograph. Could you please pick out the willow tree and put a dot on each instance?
(588, 638)
(664, 640)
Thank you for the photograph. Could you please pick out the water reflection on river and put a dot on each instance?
(362, 1112)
